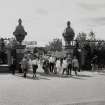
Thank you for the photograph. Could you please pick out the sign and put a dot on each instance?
(69, 50)
(19, 50)
(20, 46)
(30, 42)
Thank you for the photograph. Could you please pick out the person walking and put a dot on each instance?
(64, 66)
(75, 64)
(34, 66)
(69, 65)
(58, 66)
(13, 66)
(51, 64)
(94, 62)
(24, 65)
(46, 66)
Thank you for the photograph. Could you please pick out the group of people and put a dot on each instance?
(61, 65)
(50, 65)
(23, 66)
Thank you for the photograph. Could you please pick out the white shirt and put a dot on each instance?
(64, 65)
(58, 63)
(51, 59)
(75, 62)
(34, 62)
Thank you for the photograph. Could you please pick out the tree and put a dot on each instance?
(3, 55)
(39, 50)
(92, 39)
(2, 44)
(92, 35)
(81, 36)
(55, 45)
(12, 42)
(85, 48)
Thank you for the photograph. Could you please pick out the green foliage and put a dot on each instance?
(12, 42)
(55, 45)
(92, 35)
(2, 44)
(81, 36)
(39, 50)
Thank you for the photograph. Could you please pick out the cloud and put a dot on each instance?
(98, 21)
(41, 11)
(92, 22)
(92, 5)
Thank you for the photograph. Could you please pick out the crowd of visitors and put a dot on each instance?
(61, 66)
(49, 64)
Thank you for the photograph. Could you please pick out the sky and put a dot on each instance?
(45, 20)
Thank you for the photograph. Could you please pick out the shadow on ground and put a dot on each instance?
(84, 75)
(100, 72)
(31, 77)
(44, 76)
(80, 76)
(89, 103)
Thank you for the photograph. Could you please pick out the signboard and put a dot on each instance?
(19, 50)
(69, 50)
(30, 42)
(20, 46)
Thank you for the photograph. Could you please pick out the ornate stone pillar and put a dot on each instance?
(20, 34)
(68, 37)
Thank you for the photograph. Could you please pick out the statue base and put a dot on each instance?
(20, 52)
(19, 56)
(69, 50)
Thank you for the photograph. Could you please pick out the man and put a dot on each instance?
(24, 65)
(69, 67)
(51, 61)
(13, 66)
(75, 64)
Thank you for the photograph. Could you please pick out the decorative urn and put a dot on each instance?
(68, 33)
(20, 32)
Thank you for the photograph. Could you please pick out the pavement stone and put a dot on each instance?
(86, 89)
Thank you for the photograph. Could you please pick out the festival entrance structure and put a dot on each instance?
(88, 49)
(19, 34)
(84, 50)
(14, 50)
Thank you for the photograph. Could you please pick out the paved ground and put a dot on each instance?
(86, 89)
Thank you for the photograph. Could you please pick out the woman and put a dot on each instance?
(75, 64)
(34, 66)
(64, 65)
(58, 66)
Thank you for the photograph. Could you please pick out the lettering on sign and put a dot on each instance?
(19, 50)
(30, 42)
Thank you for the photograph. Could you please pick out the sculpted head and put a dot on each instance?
(20, 21)
(68, 24)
